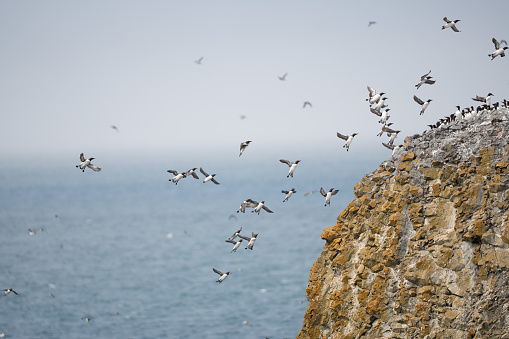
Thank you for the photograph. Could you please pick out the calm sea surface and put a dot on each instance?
(127, 240)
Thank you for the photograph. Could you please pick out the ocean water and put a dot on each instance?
(127, 240)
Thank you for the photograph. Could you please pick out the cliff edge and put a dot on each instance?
(423, 249)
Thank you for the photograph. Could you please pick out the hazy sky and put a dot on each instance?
(70, 69)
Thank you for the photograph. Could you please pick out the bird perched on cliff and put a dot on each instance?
(177, 176)
(498, 50)
(236, 244)
(292, 165)
(395, 149)
(235, 234)
(208, 177)
(87, 163)
(458, 113)
(288, 193)
(259, 207)
(307, 103)
(486, 99)
(9, 290)
(222, 276)
(450, 24)
(243, 146)
(425, 79)
(251, 240)
(384, 116)
(283, 77)
(347, 138)
(328, 195)
(192, 173)
(424, 104)
(373, 96)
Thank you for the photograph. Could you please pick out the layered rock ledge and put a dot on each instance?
(423, 249)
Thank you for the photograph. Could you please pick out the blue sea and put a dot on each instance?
(134, 252)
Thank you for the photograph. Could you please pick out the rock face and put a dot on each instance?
(423, 249)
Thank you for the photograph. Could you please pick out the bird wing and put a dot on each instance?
(231, 241)
(214, 181)
(218, 272)
(267, 209)
(341, 136)
(286, 162)
(374, 111)
(445, 19)
(285, 192)
(419, 101)
(391, 147)
(195, 175)
(372, 91)
(334, 192)
(430, 82)
(82, 157)
(203, 172)
(425, 75)
(244, 237)
(93, 167)
(172, 172)
(497, 45)
(478, 98)
(252, 203)
(454, 28)
(322, 192)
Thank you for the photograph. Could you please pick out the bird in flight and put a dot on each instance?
(87, 163)
(198, 62)
(450, 24)
(283, 78)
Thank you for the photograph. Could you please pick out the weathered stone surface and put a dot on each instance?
(423, 249)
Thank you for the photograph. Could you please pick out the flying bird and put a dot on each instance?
(9, 290)
(251, 240)
(236, 244)
(392, 136)
(380, 104)
(328, 195)
(424, 104)
(259, 206)
(208, 177)
(498, 50)
(177, 176)
(248, 203)
(374, 96)
(348, 139)
(384, 115)
(87, 163)
(198, 62)
(425, 79)
(243, 146)
(288, 193)
(114, 127)
(235, 234)
(450, 24)
(371, 23)
(386, 129)
(309, 193)
(395, 149)
(283, 78)
(192, 173)
(222, 276)
(307, 103)
(292, 165)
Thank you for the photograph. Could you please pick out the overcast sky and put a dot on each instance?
(71, 69)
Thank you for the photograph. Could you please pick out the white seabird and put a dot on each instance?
(380, 104)
(425, 79)
(243, 146)
(9, 290)
(292, 165)
(347, 138)
(177, 176)
(248, 203)
(235, 234)
(236, 244)
(222, 276)
(328, 195)
(392, 136)
(373, 96)
(87, 163)
(208, 177)
(192, 173)
(424, 104)
(288, 193)
(251, 240)
(458, 114)
(395, 149)
(259, 207)
(498, 50)
(451, 24)
(486, 100)
(386, 129)
(384, 116)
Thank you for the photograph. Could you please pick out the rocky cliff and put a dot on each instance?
(423, 249)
